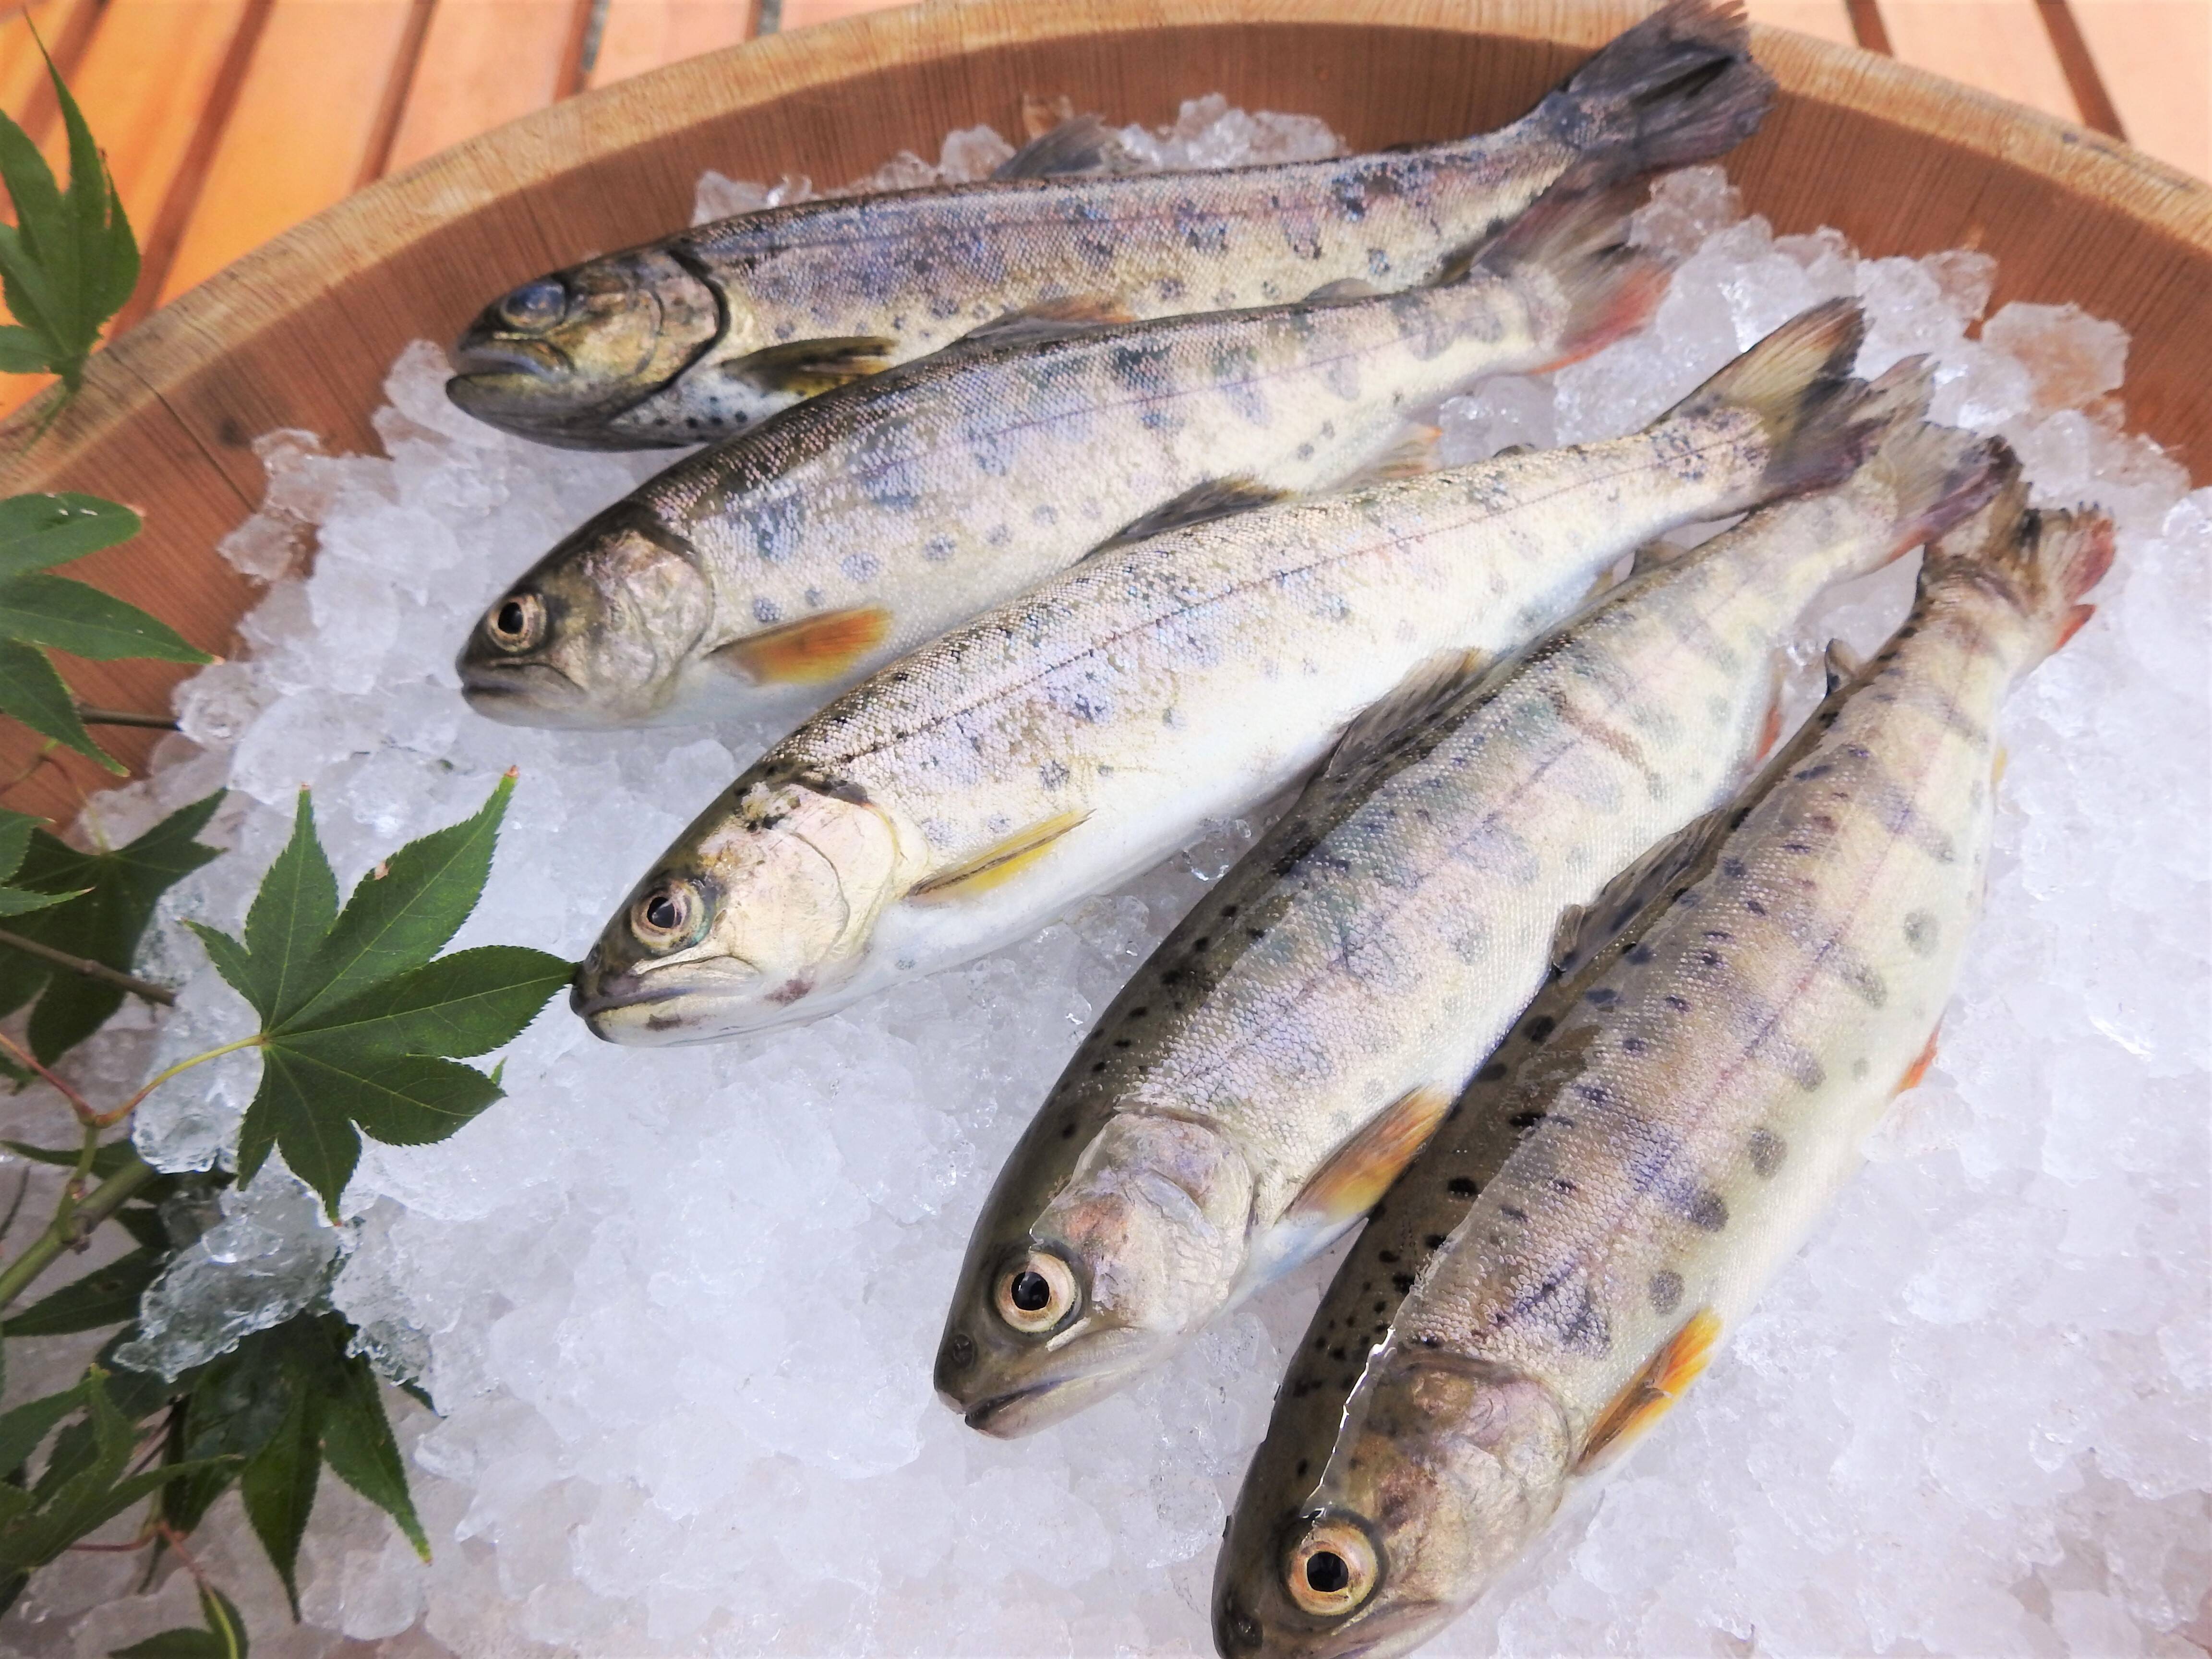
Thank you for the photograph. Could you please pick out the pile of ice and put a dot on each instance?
(677, 1307)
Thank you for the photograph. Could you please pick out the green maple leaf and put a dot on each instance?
(96, 905)
(362, 1022)
(69, 261)
(39, 612)
(223, 1638)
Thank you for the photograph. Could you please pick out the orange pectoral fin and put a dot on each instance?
(1653, 1391)
(2076, 619)
(1360, 1171)
(810, 651)
(999, 863)
(1918, 1069)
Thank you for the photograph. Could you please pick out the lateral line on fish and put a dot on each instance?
(1370, 550)
(1608, 1229)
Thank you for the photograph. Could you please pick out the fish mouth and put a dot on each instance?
(526, 694)
(504, 356)
(1008, 1414)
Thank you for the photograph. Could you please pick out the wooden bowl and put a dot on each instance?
(301, 332)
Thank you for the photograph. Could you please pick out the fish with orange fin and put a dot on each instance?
(1303, 1030)
(969, 792)
(1653, 1140)
(696, 336)
(759, 576)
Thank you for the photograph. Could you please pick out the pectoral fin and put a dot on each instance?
(999, 863)
(1360, 1171)
(1918, 1069)
(808, 652)
(1216, 498)
(1081, 144)
(1770, 727)
(810, 368)
(1653, 1391)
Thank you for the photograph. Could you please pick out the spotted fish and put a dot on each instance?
(758, 575)
(694, 336)
(968, 793)
(1656, 1137)
(1265, 1077)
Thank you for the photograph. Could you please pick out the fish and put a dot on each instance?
(1657, 1135)
(689, 338)
(1260, 1083)
(760, 574)
(966, 794)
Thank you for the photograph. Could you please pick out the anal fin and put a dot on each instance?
(810, 368)
(999, 863)
(809, 651)
(1918, 1070)
(1216, 498)
(1652, 1392)
(1358, 1173)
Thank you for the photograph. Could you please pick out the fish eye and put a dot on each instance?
(534, 305)
(670, 916)
(1036, 1293)
(516, 622)
(1331, 1569)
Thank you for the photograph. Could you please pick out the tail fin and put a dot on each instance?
(2043, 561)
(1934, 476)
(1571, 249)
(1797, 381)
(1678, 87)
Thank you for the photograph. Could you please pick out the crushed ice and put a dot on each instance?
(677, 1307)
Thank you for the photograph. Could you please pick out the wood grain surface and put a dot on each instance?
(300, 333)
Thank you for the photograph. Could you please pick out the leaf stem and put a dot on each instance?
(143, 988)
(105, 1120)
(95, 716)
(71, 1224)
(78, 1104)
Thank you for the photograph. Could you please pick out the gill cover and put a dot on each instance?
(767, 900)
(557, 358)
(1442, 1468)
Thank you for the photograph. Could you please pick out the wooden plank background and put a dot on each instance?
(225, 121)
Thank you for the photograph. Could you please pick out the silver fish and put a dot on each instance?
(1654, 1141)
(759, 575)
(1263, 1078)
(699, 334)
(972, 791)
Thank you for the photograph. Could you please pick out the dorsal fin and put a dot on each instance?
(1435, 684)
(810, 368)
(1652, 1392)
(1216, 498)
(1081, 144)
(1048, 320)
(1586, 929)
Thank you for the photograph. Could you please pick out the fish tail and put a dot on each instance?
(1935, 476)
(1819, 426)
(2043, 561)
(1678, 87)
(1575, 245)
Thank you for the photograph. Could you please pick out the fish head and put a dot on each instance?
(599, 633)
(763, 908)
(1443, 1469)
(1063, 1302)
(559, 357)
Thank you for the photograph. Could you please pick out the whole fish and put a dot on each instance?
(759, 574)
(972, 791)
(1266, 1074)
(697, 334)
(1654, 1140)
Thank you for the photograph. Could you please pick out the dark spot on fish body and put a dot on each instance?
(1638, 954)
(1707, 1211)
(767, 611)
(1923, 932)
(1665, 1290)
(1768, 1150)
(1462, 1186)
(1433, 1242)
(1539, 1027)
(1679, 1005)
(1601, 995)
(1053, 773)
(1632, 1045)
(937, 549)
(1806, 1071)
(1512, 1213)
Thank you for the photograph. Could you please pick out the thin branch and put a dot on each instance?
(78, 1104)
(15, 1204)
(101, 1202)
(142, 989)
(94, 716)
(105, 1120)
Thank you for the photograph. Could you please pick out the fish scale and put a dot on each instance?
(1658, 1134)
(1321, 1006)
(1072, 736)
(706, 332)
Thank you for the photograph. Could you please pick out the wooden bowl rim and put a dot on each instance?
(290, 272)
